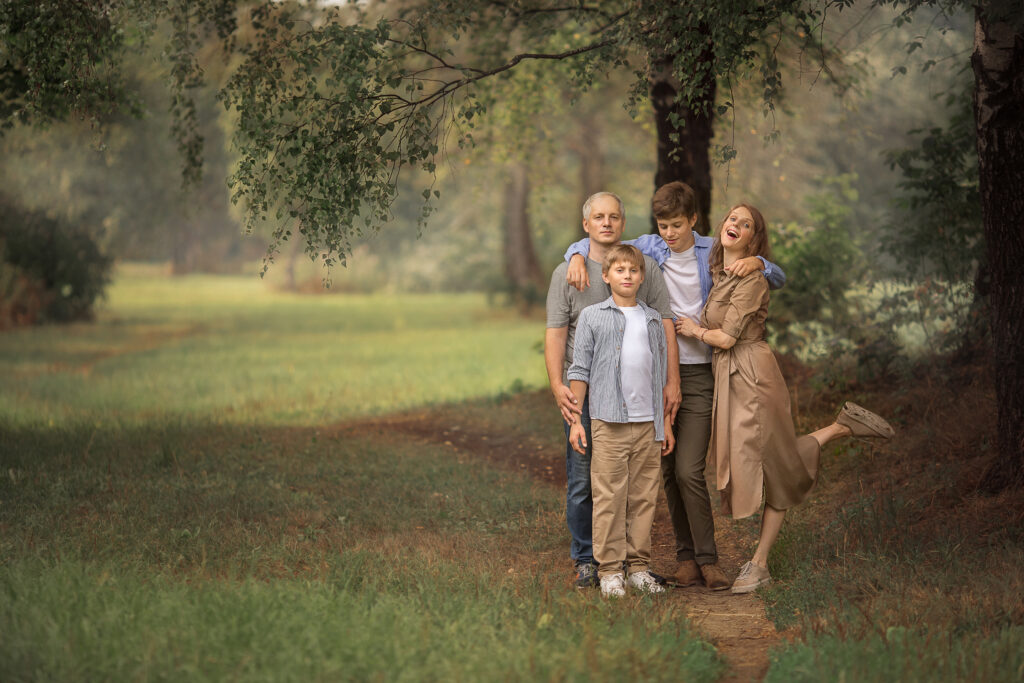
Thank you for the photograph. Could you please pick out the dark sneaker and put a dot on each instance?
(586, 575)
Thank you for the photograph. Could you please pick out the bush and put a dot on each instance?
(50, 271)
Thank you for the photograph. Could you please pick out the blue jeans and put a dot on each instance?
(579, 503)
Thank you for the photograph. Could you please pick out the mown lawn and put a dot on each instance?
(183, 496)
(229, 350)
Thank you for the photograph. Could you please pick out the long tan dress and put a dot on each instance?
(757, 454)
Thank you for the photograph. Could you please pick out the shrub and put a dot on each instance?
(51, 272)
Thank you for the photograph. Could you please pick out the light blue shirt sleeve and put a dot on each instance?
(648, 244)
(651, 245)
(581, 247)
(776, 276)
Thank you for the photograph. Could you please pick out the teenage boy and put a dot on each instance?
(603, 221)
(619, 360)
(682, 255)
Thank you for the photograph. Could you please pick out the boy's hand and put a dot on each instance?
(577, 274)
(669, 444)
(745, 266)
(567, 402)
(578, 437)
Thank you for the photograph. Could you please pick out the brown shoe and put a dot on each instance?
(713, 577)
(687, 574)
(864, 424)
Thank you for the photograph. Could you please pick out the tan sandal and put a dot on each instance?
(864, 424)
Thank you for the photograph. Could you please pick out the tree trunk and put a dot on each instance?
(588, 145)
(521, 265)
(998, 62)
(684, 152)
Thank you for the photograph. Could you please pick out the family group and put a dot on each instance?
(656, 354)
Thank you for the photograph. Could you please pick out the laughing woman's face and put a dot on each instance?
(737, 230)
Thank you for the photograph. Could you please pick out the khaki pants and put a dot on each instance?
(624, 473)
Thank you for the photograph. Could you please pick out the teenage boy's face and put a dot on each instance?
(605, 224)
(624, 278)
(677, 232)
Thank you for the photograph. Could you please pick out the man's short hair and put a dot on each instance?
(597, 195)
(623, 252)
(674, 199)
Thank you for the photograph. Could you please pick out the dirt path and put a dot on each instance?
(735, 624)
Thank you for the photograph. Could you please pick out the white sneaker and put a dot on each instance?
(751, 578)
(643, 581)
(612, 586)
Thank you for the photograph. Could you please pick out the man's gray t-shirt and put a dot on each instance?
(565, 301)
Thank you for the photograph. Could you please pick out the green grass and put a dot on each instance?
(897, 569)
(176, 503)
(230, 350)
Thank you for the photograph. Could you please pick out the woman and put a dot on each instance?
(758, 455)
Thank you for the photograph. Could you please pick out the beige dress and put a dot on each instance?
(756, 452)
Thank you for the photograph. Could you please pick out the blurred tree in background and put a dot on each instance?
(345, 119)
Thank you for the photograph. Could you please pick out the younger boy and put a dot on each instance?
(620, 357)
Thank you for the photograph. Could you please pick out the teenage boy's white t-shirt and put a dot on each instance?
(683, 283)
(635, 361)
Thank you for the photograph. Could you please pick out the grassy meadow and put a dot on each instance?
(231, 351)
(186, 494)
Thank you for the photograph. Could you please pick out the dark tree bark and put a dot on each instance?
(689, 158)
(998, 62)
(521, 265)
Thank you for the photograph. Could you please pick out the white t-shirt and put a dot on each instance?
(635, 361)
(683, 282)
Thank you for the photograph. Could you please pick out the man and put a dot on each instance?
(604, 220)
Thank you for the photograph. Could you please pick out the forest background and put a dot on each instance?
(863, 164)
(200, 450)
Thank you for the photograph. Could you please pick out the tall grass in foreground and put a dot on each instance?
(170, 511)
(301, 554)
(897, 569)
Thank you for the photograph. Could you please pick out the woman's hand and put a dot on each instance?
(687, 327)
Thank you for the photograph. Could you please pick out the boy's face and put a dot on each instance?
(677, 231)
(605, 224)
(624, 278)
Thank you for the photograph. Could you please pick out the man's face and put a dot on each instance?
(624, 278)
(677, 232)
(606, 223)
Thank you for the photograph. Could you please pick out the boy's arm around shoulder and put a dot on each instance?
(775, 276)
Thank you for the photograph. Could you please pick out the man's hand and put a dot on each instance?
(669, 444)
(686, 327)
(745, 266)
(567, 402)
(578, 437)
(673, 398)
(577, 275)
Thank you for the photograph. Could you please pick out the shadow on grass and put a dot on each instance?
(209, 552)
